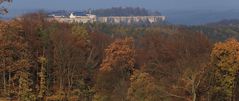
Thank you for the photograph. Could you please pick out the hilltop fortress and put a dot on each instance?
(81, 17)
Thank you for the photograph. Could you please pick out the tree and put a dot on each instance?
(143, 87)
(3, 55)
(42, 75)
(3, 10)
(80, 32)
(174, 60)
(9, 41)
(84, 91)
(119, 56)
(17, 60)
(25, 92)
(117, 66)
(72, 56)
(225, 64)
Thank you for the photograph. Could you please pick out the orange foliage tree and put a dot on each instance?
(115, 70)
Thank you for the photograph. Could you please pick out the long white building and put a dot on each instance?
(78, 17)
(81, 17)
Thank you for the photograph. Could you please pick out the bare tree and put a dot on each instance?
(3, 10)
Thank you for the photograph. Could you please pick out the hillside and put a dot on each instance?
(231, 22)
(44, 60)
(125, 11)
(199, 17)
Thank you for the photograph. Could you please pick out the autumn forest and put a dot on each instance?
(42, 60)
(50, 61)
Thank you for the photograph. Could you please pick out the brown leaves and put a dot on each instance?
(119, 55)
(115, 70)
(13, 47)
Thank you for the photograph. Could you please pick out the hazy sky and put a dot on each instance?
(150, 4)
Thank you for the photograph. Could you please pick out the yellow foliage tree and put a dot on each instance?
(24, 88)
(42, 75)
(80, 32)
(143, 88)
(225, 62)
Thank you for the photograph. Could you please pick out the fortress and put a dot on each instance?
(81, 17)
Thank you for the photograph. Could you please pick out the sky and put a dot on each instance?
(149, 4)
(176, 11)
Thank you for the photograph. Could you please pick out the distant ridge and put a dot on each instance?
(226, 22)
(125, 11)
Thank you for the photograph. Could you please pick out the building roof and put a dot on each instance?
(79, 14)
(59, 13)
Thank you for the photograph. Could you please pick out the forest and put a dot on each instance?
(125, 11)
(50, 61)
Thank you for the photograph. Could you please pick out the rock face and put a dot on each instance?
(131, 19)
